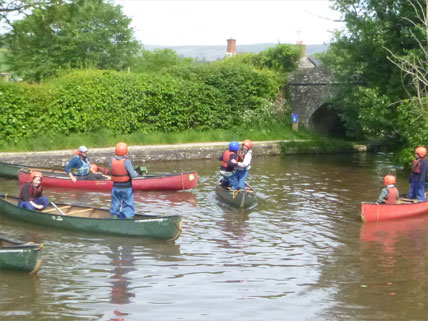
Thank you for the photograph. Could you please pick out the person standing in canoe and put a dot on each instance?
(244, 164)
(122, 173)
(389, 194)
(79, 166)
(417, 177)
(228, 164)
(30, 196)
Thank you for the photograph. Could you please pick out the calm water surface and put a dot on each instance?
(301, 254)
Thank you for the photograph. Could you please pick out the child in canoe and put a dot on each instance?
(244, 164)
(31, 193)
(228, 164)
(389, 194)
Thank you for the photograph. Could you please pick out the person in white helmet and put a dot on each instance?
(79, 165)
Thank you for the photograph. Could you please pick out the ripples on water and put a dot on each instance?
(301, 254)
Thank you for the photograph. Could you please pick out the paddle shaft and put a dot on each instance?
(59, 210)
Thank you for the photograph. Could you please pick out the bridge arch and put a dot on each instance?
(326, 121)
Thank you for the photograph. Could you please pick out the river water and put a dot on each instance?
(301, 254)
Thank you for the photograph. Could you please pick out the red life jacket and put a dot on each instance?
(392, 195)
(416, 166)
(226, 157)
(34, 192)
(118, 171)
(240, 157)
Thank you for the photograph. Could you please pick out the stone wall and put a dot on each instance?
(136, 153)
(310, 89)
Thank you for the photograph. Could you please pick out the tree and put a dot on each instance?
(13, 9)
(282, 58)
(159, 59)
(82, 33)
(360, 53)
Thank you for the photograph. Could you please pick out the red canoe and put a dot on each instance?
(165, 182)
(372, 212)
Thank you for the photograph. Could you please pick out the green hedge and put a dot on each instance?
(201, 97)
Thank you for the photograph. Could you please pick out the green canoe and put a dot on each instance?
(238, 198)
(19, 256)
(94, 220)
(9, 170)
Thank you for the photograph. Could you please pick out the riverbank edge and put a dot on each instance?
(150, 153)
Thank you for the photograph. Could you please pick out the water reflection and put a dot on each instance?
(12, 285)
(389, 234)
(122, 259)
(302, 253)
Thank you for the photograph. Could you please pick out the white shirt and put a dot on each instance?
(246, 163)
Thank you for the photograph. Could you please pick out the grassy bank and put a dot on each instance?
(106, 138)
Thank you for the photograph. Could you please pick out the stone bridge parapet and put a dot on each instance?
(310, 89)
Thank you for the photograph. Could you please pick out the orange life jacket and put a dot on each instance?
(118, 171)
(226, 157)
(392, 195)
(416, 166)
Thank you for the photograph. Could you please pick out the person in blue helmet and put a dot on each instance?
(228, 163)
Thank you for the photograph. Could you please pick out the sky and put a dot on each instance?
(206, 22)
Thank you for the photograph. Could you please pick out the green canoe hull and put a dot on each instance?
(20, 257)
(9, 170)
(165, 227)
(239, 199)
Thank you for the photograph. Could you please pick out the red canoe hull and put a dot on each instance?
(372, 212)
(169, 182)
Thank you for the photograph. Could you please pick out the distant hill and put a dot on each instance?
(211, 53)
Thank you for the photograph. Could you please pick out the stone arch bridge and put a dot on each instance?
(311, 91)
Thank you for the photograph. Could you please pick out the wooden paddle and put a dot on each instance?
(409, 200)
(59, 210)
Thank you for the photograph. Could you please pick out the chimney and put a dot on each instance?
(302, 47)
(231, 47)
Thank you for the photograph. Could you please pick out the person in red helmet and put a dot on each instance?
(417, 177)
(244, 164)
(389, 194)
(122, 173)
(30, 196)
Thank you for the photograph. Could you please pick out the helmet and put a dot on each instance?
(248, 143)
(83, 149)
(35, 174)
(76, 152)
(94, 168)
(421, 151)
(389, 180)
(121, 149)
(233, 146)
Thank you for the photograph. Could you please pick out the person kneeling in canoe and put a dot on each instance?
(389, 194)
(228, 163)
(122, 174)
(79, 166)
(31, 193)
